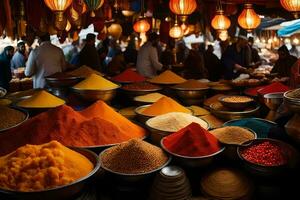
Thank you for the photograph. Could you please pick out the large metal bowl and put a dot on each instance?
(235, 105)
(293, 104)
(190, 96)
(273, 100)
(95, 95)
(291, 154)
(65, 192)
(132, 177)
(61, 82)
(192, 162)
(133, 93)
(230, 115)
(18, 124)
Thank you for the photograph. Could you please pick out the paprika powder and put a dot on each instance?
(129, 76)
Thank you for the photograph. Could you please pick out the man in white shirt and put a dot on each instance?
(45, 60)
(147, 59)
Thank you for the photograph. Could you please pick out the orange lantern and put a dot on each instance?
(176, 32)
(248, 19)
(141, 26)
(115, 30)
(58, 7)
(183, 7)
(220, 21)
(291, 5)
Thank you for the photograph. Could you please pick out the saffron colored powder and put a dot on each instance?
(129, 76)
(192, 141)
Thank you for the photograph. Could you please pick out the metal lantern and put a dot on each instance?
(292, 6)
(58, 7)
(220, 21)
(183, 8)
(94, 5)
(115, 30)
(248, 19)
(141, 26)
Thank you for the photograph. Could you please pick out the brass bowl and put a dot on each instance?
(189, 96)
(230, 115)
(61, 82)
(64, 192)
(21, 122)
(133, 93)
(192, 162)
(273, 100)
(293, 104)
(235, 105)
(95, 95)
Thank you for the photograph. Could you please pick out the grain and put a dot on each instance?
(237, 99)
(233, 135)
(10, 117)
(133, 157)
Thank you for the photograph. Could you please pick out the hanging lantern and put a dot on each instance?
(141, 26)
(176, 32)
(115, 30)
(58, 7)
(248, 19)
(223, 35)
(94, 5)
(220, 21)
(183, 8)
(291, 6)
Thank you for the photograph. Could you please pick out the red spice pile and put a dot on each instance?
(129, 76)
(274, 87)
(265, 153)
(192, 141)
(253, 91)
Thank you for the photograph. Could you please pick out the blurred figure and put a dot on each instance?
(116, 65)
(5, 71)
(113, 49)
(102, 52)
(147, 60)
(19, 59)
(212, 64)
(295, 75)
(284, 63)
(235, 58)
(194, 66)
(130, 54)
(88, 55)
(167, 56)
(45, 60)
(255, 58)
(294, 51)
(182, 52)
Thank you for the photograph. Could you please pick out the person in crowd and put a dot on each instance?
(294, 51)
(255, 58)
(88, 55)
(116, 65)
(194, 66)
(167, 56)
(5, 72)
(113, 49)
(182, 52)
(212, 64)
(284, 63)
(102, 52)
(147, 60)
(45, 60)
(295, 75)
(19, 58)
(235, 59)
(130, 54)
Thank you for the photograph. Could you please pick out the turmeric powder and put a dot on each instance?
(165, 105)
(95, 82)
(40, 167)
(83, 71)
(41, 99)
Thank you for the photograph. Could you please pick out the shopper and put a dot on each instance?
(5, 72)
(19, 59)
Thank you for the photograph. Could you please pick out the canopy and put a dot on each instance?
(271, 23)
(289, 28)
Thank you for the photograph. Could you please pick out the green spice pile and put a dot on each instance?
(133, 157)
(10, 117)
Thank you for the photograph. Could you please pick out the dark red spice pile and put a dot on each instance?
(265, 153)
(140, 86)
(274, 87)
(192, 141)
(129, 76)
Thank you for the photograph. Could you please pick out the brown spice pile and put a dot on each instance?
(133, 157)
(192, 84)
(233, 135)
(237, 99)
(10, 117)
(141, 86)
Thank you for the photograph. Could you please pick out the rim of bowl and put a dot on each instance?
(146, 123)
(250, 143)
(95, 90)
(256, 118)
(266, 96)
(25, 119)
(138, 174)
(136, 110)
(257, 107)
(189, 157)
(189, 89)
(141, 90)
(63, 78)
(91, 173)
(290, 98)
(221, 99)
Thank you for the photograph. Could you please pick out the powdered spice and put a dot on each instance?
(129, 75)
(167, 77)
(274, 87)
(192, 141)
(192, 84)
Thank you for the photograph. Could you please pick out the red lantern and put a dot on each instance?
(141, 26)
(220, 21)
(291, 5)
(58, 6)
(248, 19)
(183, 7)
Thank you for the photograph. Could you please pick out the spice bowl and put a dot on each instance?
(293, 104)
(190, 96)
(131, 93)
(64, 192)
(61, 82)
(236, 105)
(192, 162)
(170, 183)
(140, 116)
(289, 153)
(95, 95)
(26, 116)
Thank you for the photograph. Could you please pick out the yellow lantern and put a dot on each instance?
(176, 32)
(220, 21)
(115, 30)
(141, 26)
(58, 7)
(291, 5)
(248, 19)
(183, 8)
